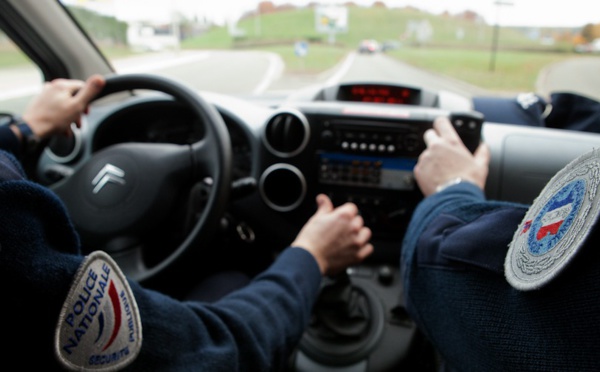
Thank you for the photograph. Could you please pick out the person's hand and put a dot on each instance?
(336, 237)
(60, 103)
(446, 158)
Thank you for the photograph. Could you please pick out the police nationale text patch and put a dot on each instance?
(99, 327)
(556, 226)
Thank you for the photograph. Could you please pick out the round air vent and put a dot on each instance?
(64, 149)
(286, 133)
(282, 187)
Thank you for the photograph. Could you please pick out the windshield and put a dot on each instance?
(254, 48)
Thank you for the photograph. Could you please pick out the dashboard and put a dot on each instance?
(356, 142)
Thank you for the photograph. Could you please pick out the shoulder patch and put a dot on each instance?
(556, 225)
(99, 327)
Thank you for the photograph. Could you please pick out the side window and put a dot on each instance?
(20, 78)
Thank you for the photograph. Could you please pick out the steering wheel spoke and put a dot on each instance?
(204, 165)
(132, 262)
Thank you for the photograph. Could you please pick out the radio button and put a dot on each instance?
(327, 136)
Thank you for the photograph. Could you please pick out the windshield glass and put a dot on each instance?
(246, 47)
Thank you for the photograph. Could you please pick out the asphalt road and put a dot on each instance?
(379, 67)
(227, 72)
(252, 73)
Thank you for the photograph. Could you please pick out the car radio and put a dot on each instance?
(381, 154)
(370, 162)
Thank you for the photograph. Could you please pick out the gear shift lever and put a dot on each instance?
(348, 321)
(341, 310)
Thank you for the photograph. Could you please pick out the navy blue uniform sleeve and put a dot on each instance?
(455, 290)
(429, 209)
(254, 328)
(10, 168)
(8, 141)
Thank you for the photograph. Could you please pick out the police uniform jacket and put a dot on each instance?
(453, 269)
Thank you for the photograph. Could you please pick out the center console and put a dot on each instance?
(363, 154)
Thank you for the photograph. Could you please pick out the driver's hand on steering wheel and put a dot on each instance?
(336, 237)
(60, 103)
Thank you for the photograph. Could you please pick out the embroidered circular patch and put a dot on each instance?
(556, 226)
(99, 327)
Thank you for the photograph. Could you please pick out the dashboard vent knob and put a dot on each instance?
(286, 133)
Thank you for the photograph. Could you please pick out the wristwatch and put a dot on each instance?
(452, 182)
(30, 143)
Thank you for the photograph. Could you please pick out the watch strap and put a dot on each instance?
(30, 142)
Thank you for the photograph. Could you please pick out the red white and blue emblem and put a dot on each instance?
(556, 226)
(99, 327)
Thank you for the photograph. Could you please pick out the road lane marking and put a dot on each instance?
(343, 70)
(273, 72)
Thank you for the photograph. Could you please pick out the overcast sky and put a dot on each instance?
(571, 13)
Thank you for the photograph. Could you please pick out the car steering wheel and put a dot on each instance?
(124, 191)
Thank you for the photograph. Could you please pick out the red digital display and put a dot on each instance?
(379, 94)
